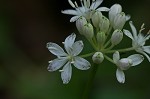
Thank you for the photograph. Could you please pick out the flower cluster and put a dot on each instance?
(103, 34)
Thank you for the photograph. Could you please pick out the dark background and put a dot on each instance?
(25, 28)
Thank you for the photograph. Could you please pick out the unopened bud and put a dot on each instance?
(88, 31)
(80, 24)
(119, 21)
(98, 58)
(101, 37)
(114, 10)
(96, 18)
(116, 37)
(104, 24)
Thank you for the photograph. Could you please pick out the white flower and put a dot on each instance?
(67, 59)
(125, 63)
(86, 10)
(138, 40)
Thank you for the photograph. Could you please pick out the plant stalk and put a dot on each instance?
(90, 82)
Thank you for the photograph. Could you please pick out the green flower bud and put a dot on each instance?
(80, 24)
(98, 57)
(88, 31)
(119, 21)
(116, 37)
(101, 37)
(104, 24)
(96, 18)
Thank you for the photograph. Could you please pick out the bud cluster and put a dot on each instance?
(99, 27)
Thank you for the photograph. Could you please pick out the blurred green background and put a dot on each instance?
(25, 28)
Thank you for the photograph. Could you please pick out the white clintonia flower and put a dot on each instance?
(86, 10)
(138, 40)
(125, 63)
(67, 59)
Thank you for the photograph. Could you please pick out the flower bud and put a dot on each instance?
(116, 37)
(80, 24)
(119, 21)
(101, 37)
(88, 31)
(124, 63)
(98, 58)
(104, 24)
(96, 18)
(114, 10)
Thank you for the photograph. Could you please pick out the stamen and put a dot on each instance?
(72, 62)
(49, 62)
(143, 25)
(85, 3)
(142, 28)
(148, 32)
(71, 3)
(88, 3)
(76, 4)
(61, 70)
(94, 3)
(81, 2)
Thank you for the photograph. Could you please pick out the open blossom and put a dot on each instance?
(139, 40)
(86, 9)
(68, 58)
(125, 63)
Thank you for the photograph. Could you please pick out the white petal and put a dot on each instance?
(116, 57)
(73, 19)
(81, 63)
(69, 42)
(56, 64)
(146, 49)
(136, 59)
(141, 39)
(120, 76)
(128, 17)
(70, 12)
(103, 9)
(66, 73)
(55, 49)
(95, 4)
(128, 33)
(77, 48)
(148, 57)
(134, 31)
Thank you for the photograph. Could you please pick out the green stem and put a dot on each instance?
(87, 55)
(120, 50)
(109, 48)
(92, 43)
(90, 81)
(109, 59)
(107, 43)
